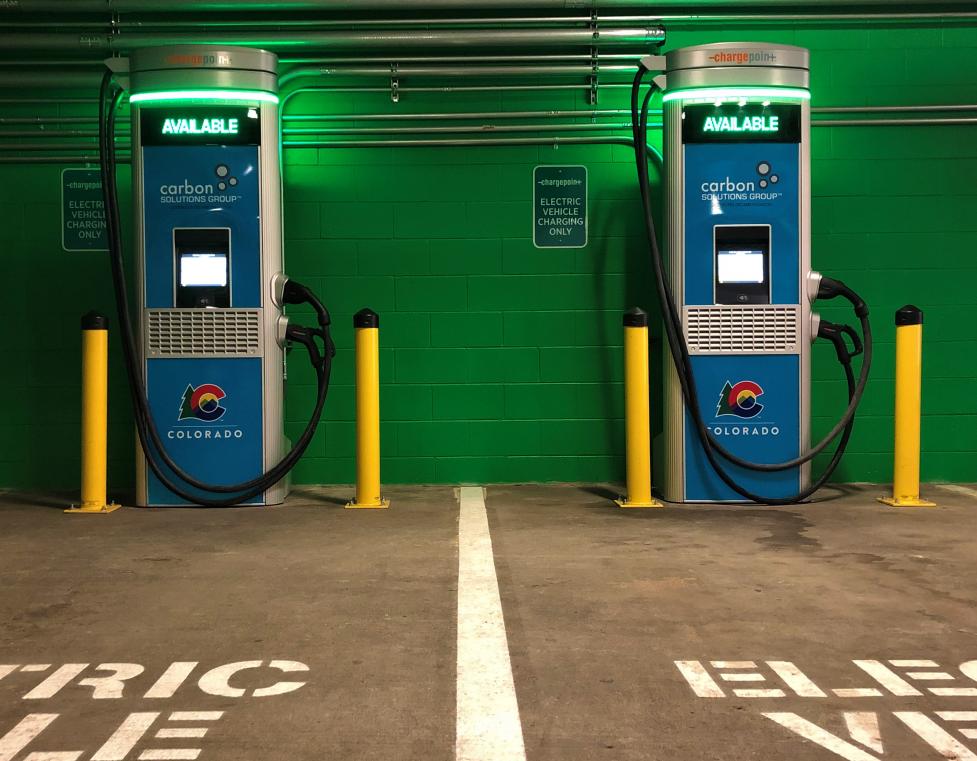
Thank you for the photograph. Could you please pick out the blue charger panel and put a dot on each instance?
(751, 405)
(205, 186)
(208, 412)
(750, 402)
(723, 187)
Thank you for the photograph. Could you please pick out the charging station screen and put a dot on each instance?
(202, 258)
(740, 266)
(742, 256)
(203, 269)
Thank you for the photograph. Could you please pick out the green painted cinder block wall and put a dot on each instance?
(502, 362)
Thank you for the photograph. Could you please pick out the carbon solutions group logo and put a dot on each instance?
(202, 403)
(740, 399)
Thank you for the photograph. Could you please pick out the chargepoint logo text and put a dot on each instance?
(196, 59)
(744, 57)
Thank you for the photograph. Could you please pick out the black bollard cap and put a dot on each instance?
(636, 318)
(366, 318)
(909, 315)
(94, 321)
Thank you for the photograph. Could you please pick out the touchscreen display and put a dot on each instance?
(205, 269)
(740, 266)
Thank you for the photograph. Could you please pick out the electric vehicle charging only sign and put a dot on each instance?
(82, 211)
(560, 206)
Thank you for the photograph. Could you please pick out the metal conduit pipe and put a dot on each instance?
(44, 101)
(122, 159)
(677, 21)
(467, 142)
(36, 147)
(541, 58)
(464, 129)
(588, 114)
(893, 109)
(396, 70)
(453, 88)
(480, 129)
(674, 19)
(286, 97)
(6, 134)
(687, 21)
(132, 6)
(923, 122)
(67, 79)
(454, 116)
(488, 128)
(151, 24)
(483, 128)
(42, 121)
(333, 41)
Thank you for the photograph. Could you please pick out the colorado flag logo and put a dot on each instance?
(740, 399)
(202, 403)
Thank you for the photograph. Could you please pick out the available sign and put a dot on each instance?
(560, 206)
(82, 212)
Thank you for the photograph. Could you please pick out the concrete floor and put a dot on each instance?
(599, 605)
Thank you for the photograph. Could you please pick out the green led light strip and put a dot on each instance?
(169, 95)
(723, 93)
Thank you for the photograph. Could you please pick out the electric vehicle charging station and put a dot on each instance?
(738, 290)
(737, 139)
(209, 277)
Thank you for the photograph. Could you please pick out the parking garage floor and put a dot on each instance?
(514, 622)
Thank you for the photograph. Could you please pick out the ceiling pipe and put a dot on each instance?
(182, 6)
(41, 122)
(395, 70)
(460, 116)
(442, 59)
(674, 21)
(455, 130)
(154, 23)
(48, 78)
(388, 39)
(554, 141)
(66, 160)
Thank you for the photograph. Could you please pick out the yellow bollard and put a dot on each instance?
(909, 368)
(366, 324)
(636, 413)
(94, 414)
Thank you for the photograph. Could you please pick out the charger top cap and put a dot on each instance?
(186, 68)
(738, 64)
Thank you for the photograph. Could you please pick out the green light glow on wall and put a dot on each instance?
(172, 95)
(711, 94)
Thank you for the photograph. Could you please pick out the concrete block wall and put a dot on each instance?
(502, 362)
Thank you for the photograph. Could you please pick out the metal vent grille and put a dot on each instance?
(730, 329)
(203, 332)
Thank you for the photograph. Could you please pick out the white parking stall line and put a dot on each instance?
(487, 716)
